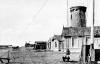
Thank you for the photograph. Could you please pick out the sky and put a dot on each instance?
(38, 20)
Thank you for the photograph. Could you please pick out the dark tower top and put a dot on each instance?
(78, 17)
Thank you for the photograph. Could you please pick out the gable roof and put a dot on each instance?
(56, 37)
(80, 31)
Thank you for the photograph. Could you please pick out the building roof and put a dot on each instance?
(57, 37)
(80, 31)
(40, 42)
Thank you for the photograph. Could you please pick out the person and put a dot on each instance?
(63, 58)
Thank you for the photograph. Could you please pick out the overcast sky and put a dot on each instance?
(32, 20)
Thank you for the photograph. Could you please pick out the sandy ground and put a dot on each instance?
(27, 56)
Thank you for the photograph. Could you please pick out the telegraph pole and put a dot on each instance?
(66, 12)
(92, 25)
(67, 50)
(92, 35)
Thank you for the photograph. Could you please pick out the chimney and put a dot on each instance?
(78, 17)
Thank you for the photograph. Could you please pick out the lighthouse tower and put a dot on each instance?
(78, 16)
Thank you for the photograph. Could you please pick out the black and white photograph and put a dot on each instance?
(49, 31)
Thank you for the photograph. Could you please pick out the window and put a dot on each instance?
(52, 39)
(71, 17)
(72, 42)
(49, 45)
(55, 44)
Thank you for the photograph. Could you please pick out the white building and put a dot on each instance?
(55, 43)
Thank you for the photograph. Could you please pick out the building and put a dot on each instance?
(73, 36)
(55, 43)
(40, 45)
(77, 35)
(5, 46)
(64, 41)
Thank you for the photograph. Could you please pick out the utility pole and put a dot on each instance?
(67, 50)
(67, 14)
(92, 25)
(92, 35)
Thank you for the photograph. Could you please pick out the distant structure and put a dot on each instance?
(78, 17)
(29, 45)
(5, 46)
(40, 45)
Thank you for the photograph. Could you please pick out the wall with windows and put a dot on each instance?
(49, 45)
(74, 43)
(77, 42)
(55, 45)
(96, 42)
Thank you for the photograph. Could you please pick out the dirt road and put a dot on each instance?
(27, 56)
